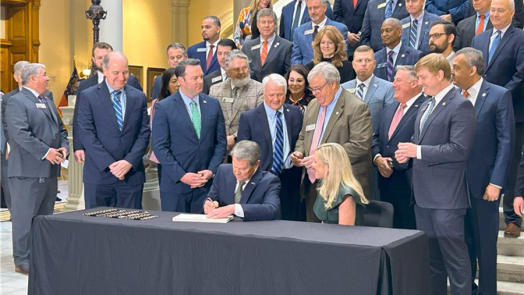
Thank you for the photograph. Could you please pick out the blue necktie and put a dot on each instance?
(117, 105)
(426, 114)
(494, 46)
(360, 90)
(390, 67)
(413, 34)
(278, 148)
(389, 9)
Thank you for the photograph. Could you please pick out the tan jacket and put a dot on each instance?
(247, 98)
(349, 126)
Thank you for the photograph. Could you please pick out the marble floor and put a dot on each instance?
(12, 283)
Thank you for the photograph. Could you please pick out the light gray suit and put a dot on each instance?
(33, 128)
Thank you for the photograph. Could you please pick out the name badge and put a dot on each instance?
(382, 65)
(255, 47)
(308, 32)
(216, 79)
(381, 5)
(228, 100)
(41, 105)
(406, 25)
(204, 49)
(310, 127)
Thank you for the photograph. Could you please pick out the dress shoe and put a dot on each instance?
(22, 268)
(512, 231)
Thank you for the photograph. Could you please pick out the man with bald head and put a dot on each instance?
(503, 50)
(395, 52)
(114, 129)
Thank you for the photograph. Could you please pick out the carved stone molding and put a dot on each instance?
(179, 16)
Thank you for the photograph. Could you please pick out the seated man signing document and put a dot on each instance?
(242, 189)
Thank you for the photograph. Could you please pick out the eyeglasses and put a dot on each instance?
(317, 89)
(437, 35)
(243, 69)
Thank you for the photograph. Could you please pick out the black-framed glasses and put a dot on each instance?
(437, 35)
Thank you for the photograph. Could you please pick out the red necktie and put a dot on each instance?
(355, 3)
(263, 55)
(209, 57)
(465, 94)
(480, 27)
(396, 119)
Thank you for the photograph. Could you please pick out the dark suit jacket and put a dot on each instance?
(459, 9)
(398, 181)
(90, 82)
(212, 79)
(494, 139)
(278, 59)
(373, 19)
(352, 17)
(5, 99)
(407, 56)
(254, 126)
(506, 68)
(286, 19)
(177, 146)
(33, 130)
(198, 51)
(446, 140)
(104, 143)
(260, 200)
(466, 32)
(423, 40)
(519, 185)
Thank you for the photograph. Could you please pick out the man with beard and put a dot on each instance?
(238, 94)
(442, 36)
(205, 51)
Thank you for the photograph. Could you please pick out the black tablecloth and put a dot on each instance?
(76, 254)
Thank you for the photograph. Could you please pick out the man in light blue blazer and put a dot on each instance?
(415, 27)
(377, 11)
(293, 10)
(303, 37)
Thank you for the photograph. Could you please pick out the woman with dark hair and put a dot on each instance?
(169, 87)
(298, 93)
(329, 46)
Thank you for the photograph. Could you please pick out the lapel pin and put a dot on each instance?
(416, 105)
(287, 110)
(403, 55)
(276, 45)
(252, 183)
(483, 94)
(443, 104)
(400, 4)
(336, 113)
(205, 101)
(375, 85)
(426, 23)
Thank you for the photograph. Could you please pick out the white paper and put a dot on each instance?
(187, 217)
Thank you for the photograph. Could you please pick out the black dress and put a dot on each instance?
(346, 70)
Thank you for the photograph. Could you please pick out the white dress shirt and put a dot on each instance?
(474, 91)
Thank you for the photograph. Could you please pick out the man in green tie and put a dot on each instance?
(189, 140)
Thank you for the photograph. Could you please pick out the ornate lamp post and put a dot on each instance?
(96, 13)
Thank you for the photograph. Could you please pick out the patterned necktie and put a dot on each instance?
(360, 90)
(239, 191)
(396, 119)
(480, 27)
(316, 139)
(195, 117)
(389, 9)
(426, 114)
(390, 66)
(315, 32)
(209, 57)
(263, 54)
(494, 46)
(278, 148)
(117, 105)
(413, 34)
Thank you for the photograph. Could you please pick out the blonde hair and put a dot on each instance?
(254, 6)
(339, 172)
(434, 62)
(340, 45)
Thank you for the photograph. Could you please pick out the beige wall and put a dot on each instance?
(198, 9)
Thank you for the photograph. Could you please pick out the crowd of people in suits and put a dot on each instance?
(416, 103)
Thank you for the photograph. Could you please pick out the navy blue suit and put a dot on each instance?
(198, 51)
(259, 199)
(397, 188)
(90, 82)
(488, 163)
(373, 21)
(105, 144)
(506, 69)
(180, 151)
(302, 52)
(459, 9)
(423, 40)
(407, 56)
(253, 125)
(286, 19)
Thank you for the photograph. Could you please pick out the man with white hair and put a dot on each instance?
(275, 126)
(237, 94)
(39, 144)
(332, 107)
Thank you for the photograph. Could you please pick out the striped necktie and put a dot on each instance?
(390, 67)
(413, 34)
(360, 90)
(278, 147)
(389, 9)
(117, 105)
(263, 55)
(195, 117)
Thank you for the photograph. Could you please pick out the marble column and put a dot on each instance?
(111, 29)
(179, 17)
